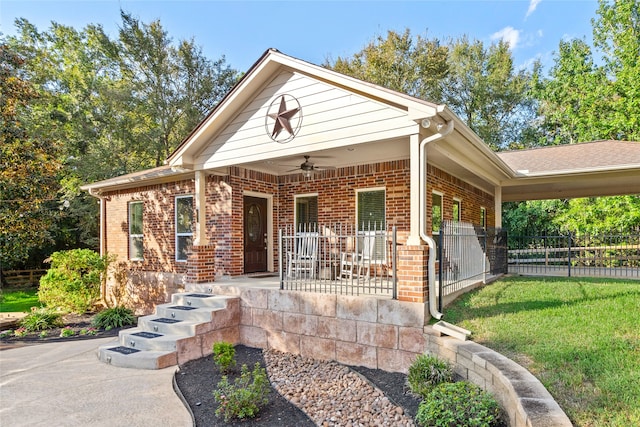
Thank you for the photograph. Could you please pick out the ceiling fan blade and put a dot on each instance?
(324, 168)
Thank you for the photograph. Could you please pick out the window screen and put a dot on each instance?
(184, 226)
(306, 212)
(135, 231)
(371, 210)
(436, 213)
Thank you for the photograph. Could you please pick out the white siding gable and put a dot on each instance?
(331, 117)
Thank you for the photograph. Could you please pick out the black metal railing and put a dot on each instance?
(576, 255)
(467, 254)
(338, 258)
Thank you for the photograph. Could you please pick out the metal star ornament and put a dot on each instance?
(285, 118)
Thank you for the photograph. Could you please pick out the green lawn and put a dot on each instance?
(580, 337)
(19, 301)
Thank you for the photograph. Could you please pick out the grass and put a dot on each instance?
(580, 337)
(19, 301)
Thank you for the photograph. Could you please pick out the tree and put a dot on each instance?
(479, 84)
(484, 89)
(115, 106)
(411, 65)
(174, 87)
(583, 99)
(28, 165)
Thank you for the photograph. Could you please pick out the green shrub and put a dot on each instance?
(73, 281)
(115, 317)
(41, 319)
(67, 332)
(244, 398)
(224, 356)
(458, 404)
(427, 372)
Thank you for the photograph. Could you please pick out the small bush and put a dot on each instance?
(116, 317)
(224, 356)
(20, 332)
(427, 372)
(41, 319)
(459, 404)
(67, 332)
(73, 281)
(244, 398)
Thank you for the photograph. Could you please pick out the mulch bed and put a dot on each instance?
(74, 321)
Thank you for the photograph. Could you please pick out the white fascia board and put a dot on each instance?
(582, 171)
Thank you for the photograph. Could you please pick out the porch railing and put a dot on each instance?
(468, 254)
(338, 258)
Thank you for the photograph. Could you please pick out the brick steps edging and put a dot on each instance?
(524, 398)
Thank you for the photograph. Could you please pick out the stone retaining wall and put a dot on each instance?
(385, 334)
(355, 330)
(521, 394)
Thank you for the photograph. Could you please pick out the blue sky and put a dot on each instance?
(318, 30)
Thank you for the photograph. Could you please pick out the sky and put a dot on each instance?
(317, 31)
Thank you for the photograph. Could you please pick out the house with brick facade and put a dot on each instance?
(296, 145)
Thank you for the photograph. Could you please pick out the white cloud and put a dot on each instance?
(533, 4)
(510, 35)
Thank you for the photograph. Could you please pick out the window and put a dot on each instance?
(371, 210)
(457, 210)
(483, 217)
(184, 226)
(306, 212)
(135, 231)
(436, 213)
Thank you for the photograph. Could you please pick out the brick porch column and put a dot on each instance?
(201, 264)
(413, 285)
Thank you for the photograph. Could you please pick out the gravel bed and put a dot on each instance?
(332, 394)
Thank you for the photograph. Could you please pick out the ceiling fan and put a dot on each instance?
(309, 167)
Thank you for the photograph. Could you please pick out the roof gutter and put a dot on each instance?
(433, 309)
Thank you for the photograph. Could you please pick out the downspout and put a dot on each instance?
(102, 247)
(433, 309)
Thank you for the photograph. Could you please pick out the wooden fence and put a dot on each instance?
(23, 278)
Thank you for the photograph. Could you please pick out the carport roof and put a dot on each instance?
(575, 157)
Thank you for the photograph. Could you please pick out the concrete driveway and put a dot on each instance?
(64, 384)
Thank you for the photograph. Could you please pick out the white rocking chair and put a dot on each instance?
(303, 260)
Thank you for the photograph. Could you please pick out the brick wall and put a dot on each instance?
(472, 198)
(336, 190)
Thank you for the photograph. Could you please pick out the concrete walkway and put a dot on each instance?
(64, 384)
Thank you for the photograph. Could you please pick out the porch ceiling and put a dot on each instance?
(571, 185)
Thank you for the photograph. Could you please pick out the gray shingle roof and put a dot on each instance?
(588, 155)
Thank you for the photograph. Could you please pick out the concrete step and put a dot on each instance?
(156, 341)
(137, 359)
(199, 299)
(183, 312)
(161, 325)
(144, 340)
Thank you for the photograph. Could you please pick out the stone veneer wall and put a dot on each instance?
(354, 330)
(523, 397)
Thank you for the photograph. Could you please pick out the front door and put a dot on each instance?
(255, 234)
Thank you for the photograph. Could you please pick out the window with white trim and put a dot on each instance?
(436, 213)
(306, 211)
(370, 209)
(456, 213)
(371, 222)
(136, 243)
(184, 226)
